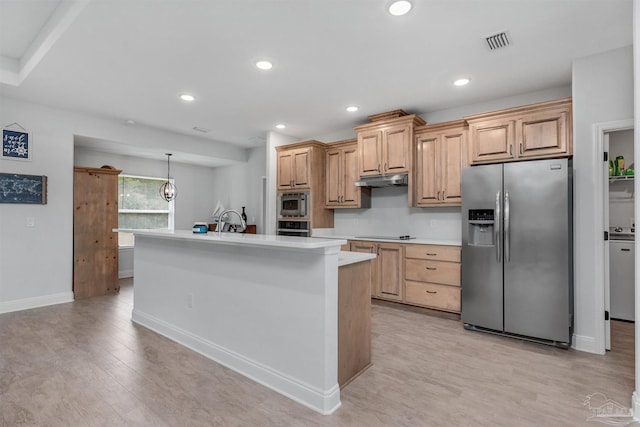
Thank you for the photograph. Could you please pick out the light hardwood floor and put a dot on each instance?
(86, 364)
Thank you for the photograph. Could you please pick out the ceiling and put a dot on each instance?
(130, 59)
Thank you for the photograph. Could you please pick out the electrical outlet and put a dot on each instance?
(190, 300)
(30, 221)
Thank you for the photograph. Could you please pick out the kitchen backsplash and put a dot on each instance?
(390, 215)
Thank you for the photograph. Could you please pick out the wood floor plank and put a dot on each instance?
(86, 364)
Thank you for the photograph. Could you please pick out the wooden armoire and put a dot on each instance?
(95, 245)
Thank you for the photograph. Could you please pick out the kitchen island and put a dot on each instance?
(265, 306)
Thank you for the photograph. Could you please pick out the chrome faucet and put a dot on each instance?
(221, 222)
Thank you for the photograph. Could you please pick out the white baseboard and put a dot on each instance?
(635, 406)
(325, 402)
(41, 301)
(584, 343)
(123, 274)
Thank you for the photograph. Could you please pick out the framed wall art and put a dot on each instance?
(17, 144)
(30, 189)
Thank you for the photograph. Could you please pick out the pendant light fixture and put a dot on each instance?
(168, 191)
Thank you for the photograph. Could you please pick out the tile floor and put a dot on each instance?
(86, 364)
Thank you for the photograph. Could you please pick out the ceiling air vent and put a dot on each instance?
(497, 41)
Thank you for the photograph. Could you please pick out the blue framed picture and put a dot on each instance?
(16, 144)
(31, 189)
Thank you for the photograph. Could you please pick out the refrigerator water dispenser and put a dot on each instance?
(481, 227)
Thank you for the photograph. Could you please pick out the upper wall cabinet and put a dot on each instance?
(384, 145)
(440, 156)
(530, 132)
(294, 168)
(342, 173)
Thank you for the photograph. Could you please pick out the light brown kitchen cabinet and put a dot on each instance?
(414, 274)
(534, 131)
(301, 167)
(384, 145)
(387, 276)
(342, 173)
(432, 276)
(95, 245)
(440, 157)
(294, 168)
(369, 248)
(390, 272)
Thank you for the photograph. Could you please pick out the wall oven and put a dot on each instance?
(294, 228)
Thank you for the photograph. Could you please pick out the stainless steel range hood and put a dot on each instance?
(401, 179)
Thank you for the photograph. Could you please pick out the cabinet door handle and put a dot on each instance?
(510, 153)
(378, 168)
(521, 148)
(431, 254)
(444, 195)
(385, 166)
(431, 292)
(431, 268)
(625, 250)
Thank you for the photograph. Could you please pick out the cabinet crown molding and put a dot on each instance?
(437, 127)
(303, 144)
(103, 170)
(388, 115)
(530, 108)
(412, 119)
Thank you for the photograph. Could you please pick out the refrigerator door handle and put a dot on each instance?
(497, 227)
(507, 231)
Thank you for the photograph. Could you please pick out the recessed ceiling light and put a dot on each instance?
(281, 126)
(352, 108)
(401, 7)
(130, 122)
(461, 82)
(187, 97)
(264, 64)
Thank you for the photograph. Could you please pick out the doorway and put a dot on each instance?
(619, 223)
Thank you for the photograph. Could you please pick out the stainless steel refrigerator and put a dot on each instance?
(517, 249)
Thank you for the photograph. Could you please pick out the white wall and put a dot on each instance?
(390, 216)
(274, 140)
(241, 185)
(602, 92)
(36, 263)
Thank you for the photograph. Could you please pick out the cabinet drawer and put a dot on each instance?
(435, 296)
(436, 253)
(446, 273)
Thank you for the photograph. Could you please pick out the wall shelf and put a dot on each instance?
(621, 178)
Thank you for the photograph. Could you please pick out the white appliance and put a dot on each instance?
(622, 273)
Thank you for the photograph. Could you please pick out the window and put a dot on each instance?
(140, 206)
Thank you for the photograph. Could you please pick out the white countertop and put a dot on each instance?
(265, 240)
(346, 258)
(416, 241)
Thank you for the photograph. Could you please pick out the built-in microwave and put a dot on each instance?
(293, 205)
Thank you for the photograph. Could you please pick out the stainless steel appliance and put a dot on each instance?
(622, 273)
(294, 228)
(293, 205)
(517, 253)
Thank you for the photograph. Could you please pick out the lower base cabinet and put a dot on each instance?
(422, 275)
